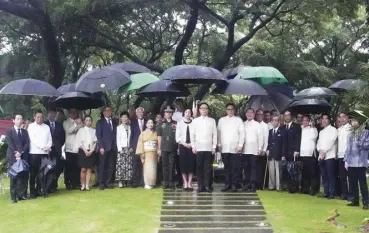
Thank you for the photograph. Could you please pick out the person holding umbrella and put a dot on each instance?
(356, 159)
(18, 147)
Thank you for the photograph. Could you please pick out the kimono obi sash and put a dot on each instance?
(150, 145)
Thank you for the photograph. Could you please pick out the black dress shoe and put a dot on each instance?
(200, 190)
(101, 187)
(110, 186)
(14, 201)
(353, 204)
(33, 196)
(365, 207)
(225, 189)
(189, 189)
(208, 190)
(234, 189)
(22, 198)
(330, 197)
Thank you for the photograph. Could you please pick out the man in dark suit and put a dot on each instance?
(137, 126)
(293, 137)
(276, 150)
(58, 136)
(18, 148)
(106, 131)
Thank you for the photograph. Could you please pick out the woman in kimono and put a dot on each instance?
(123, 172)
(86, 141)
(147, 148)
(356, 159)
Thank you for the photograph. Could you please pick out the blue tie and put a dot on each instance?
(19, 133)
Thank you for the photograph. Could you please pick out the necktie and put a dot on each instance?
(141, 125)
(52, 127)
(111, 126)
(274, 132)
(19, 133)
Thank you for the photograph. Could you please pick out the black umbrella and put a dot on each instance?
(276, 101)
(67, 88)
(281, 88)
(310, 106)
(46, 173)
(29, 86)
(240, 87)
(315, 92)
(78, 100)
(131, 67)
(164, 88)
(347, 85)
(18, 167)
(232, 73)
(191, 74)
(106, 78)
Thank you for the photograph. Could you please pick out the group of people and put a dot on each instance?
(147, 152)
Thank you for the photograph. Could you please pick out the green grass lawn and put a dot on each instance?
(296, 213)
(118, 210)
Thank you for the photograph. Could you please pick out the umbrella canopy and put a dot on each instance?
(106, 78)
(191, 74)
(315, 92)
(79, 101)
(262, 74)
(29, 86)
(67, 88)
(164, 88)
(18, 167)
(232, 73)
(138, 81)
(347, 85)
(131, 67)
(282, 88)
(310, 106)
(276, 101)
(240, 87)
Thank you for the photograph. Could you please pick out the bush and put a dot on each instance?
(3, 160)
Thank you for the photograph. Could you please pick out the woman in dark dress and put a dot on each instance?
(86, 141)
(186, 157)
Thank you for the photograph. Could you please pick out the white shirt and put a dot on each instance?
(308, 141)
(327, 142)
(343, 133)
(231, 134)
(123, 137)
(110, 122)
(71, 129)
(204, 134)
(253, 138)
(181, 131)
(85, 138)
(177, 116)
(265, 132)
(40, 137)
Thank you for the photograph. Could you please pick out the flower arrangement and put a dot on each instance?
(3, 160)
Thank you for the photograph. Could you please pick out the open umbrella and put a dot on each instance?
(262, 74)
(138, 81)
(67, 88)
(310, 106)
(281, 88)
(131, 67)
(192, 74)
(79, 101)
(18, 167)
(29, 86)
(164, 88)
(240, 87)
(276, 101)
(347, 85)
(46, 173)
(315, 92)
(101, 79)
(232, 73)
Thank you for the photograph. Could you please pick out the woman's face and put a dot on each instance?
(124, 119)
(354, 123)
(187, 114)
(88, 122)
(150, 124)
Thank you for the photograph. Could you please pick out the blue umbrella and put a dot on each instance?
(29, 86)
(131, 67)
(67, 88)
(79, 101)
(18, 167)
(164, 88)
(192, 74)
(240, 87)
(101, 79)
(348, 85)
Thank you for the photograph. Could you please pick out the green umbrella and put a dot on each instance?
(138, 81)
(262, 74)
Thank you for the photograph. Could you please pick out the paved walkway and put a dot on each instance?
(217, 212)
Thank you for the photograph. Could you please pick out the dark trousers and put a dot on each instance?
(261, 162)
(308, 182)
(357, 176)
(168, 162)
(328, 170)
(342, 174)
(231, 169)
(107, 163)
(249, 169)
(203, 160)
(177, 170)
(34, 167)
(159, 173)
(59, 168)
(72, 171)
(18, 185)
(137, 171)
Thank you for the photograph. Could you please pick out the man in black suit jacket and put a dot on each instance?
(137, 126)
(18, 148)
(293, 137)
(276, 150)
(106, 131)
(58, 136)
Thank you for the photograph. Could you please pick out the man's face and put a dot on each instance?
(305, 121)
(139, 113)
(325, 121)
(159, 118)
(204, 110)
(39, 118)
(230, 111)
(259, 116)
(18, 120)
(51, 116)
(299, 118)
(168, 115)
(267, 117)
(72, 113)
(287, 117)
(275, 121)
(107, 112)
(250, 114)
(354, 123)
(343, 119)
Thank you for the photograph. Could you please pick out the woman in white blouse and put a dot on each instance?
(86, 141)
(123, 171)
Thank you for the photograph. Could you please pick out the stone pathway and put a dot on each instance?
(217, 212)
